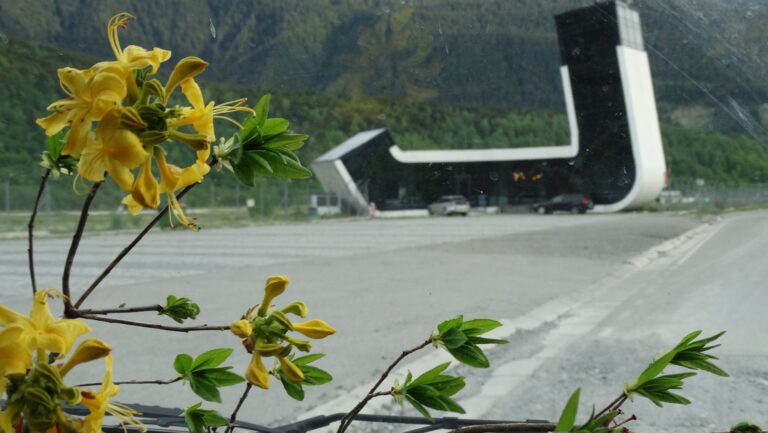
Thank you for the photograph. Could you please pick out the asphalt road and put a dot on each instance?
(586, 303)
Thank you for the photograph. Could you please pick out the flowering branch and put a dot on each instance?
(31, 228)
(347, 420)
(128, 249)
(151, 325)
(68, 309)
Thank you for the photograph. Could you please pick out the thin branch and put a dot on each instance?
(156, 307)
(511, 427)
(233, 417)
(74, 245)
(31, 228)
(151, 325)
(137, 382)
(128, 249)
(615, 404)
(347, 420)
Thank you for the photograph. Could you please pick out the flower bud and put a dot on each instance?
(274, 287)
(194, 141)
(291, 372)
(302, 345)
(89, 350)
(298, 308)
(314, 329)
(279, 317)
(187, 67)
(241, 328)
(130, 119)
(268, 349)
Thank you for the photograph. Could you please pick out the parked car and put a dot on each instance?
(449, 205)
(573, 203)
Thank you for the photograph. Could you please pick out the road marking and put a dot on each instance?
(697, 246)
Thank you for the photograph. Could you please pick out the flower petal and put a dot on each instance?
(291, 372)
(146, 190)
(316, 329)
(275, 287)
(256, 373)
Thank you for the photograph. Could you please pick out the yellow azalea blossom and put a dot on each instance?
(113, 150)
(275, 287)
(297, 307)
(316, 329)
(98, 404)
(40, 331)
(90, 97)
(132, 57)
(14, 359)
(256, 373)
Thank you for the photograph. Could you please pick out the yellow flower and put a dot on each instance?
(14, 359)
(241, 328)
(316, 329)
(90, 97)
(256, 373)
(132, 57)
(98, 404)
(89, 350)
(114, 150)
(39, 330)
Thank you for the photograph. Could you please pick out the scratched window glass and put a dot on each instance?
(590, 176)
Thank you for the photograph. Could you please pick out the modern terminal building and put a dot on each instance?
(615, 154)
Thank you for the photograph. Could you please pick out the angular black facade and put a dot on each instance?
(602, 163)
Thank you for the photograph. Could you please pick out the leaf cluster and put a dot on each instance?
(689, 354)
(432, 389)
(204, 375)
(264, 147)
(567, 422)
(52, 158)
(198, 419)
(462, 339)
(312, 375)
(180, 309)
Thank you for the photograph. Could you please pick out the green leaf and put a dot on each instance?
(654, 369)
(295, 391)
(221, 376)
(602, 420)
(286, 140)
(211, 358)
(453, 338)
(568, 417)
(479, 326)
(198, 419)
(314, 376)
(283, 167)
(180, 309)
(273, 126)
(307, 359)
(182, 364)
(483, 340)
(426, 377)
(419, 407)
(448, 324)
(471, 355)
(205, 388)
(261, 110)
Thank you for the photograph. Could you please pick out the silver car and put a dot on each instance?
(449, 205)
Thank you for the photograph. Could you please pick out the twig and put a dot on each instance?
(151, 325)
(347, 420)
(137, 382)
(128, 249)
(68, 309)
(511, 427)
(156, 307)
(615, 404)
(31, 228)
(233, 417)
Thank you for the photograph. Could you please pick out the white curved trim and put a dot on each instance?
(490, 155)
(645, 134)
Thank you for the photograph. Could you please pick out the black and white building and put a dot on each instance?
(615, 154)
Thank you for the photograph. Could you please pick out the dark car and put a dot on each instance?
(573, 203)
